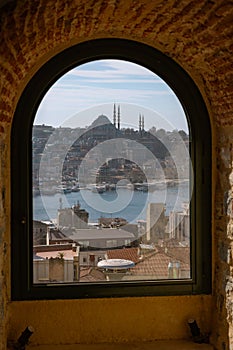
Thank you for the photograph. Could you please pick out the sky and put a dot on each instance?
(91, 89)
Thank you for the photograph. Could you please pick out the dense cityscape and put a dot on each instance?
(69, 248)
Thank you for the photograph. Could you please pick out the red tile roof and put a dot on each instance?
(91, 274)
(156, 266)
(180, 253)
(126, 253)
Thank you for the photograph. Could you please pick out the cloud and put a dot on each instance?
(109, 80)
(113, 69)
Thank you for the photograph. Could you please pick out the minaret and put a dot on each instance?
(60, 201)
(118, 117)
(143, 123)
(114, 114)
(140, 123)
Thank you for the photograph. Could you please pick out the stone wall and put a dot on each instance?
(196, 34)
(223, 236)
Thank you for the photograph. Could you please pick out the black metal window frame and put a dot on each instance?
(21, 175)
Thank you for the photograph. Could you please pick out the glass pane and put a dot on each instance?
(111, 178)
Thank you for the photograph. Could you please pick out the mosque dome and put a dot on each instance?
(100, 120)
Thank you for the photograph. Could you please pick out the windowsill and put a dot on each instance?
(158, 345)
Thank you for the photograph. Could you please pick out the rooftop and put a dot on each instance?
(126, 253)
(95, 234)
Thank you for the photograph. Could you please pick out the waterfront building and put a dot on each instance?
(179, 224)
(74, 217)
(156, 222)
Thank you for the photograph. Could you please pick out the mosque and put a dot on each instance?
(103, 129)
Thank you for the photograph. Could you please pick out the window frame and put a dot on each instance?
(21, 179)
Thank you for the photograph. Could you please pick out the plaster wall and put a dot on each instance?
(196, 34)
(110, 320)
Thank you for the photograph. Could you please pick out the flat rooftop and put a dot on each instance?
(96, 234)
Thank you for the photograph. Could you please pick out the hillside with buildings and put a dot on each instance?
(110, 152)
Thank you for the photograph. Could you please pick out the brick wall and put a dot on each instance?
(197, 34)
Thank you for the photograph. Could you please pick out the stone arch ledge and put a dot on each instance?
(158, 345)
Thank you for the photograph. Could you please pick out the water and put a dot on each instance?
(131, 205)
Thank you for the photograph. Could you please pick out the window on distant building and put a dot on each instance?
(112, 165)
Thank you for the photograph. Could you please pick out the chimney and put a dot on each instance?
(174, 269)
(47, 236)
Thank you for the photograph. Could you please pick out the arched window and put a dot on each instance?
(111, 159)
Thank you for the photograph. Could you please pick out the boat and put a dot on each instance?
(130, 186)
(75, 188)
(63, 189)
(112, 187)
(98, 189)
(143, 187)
